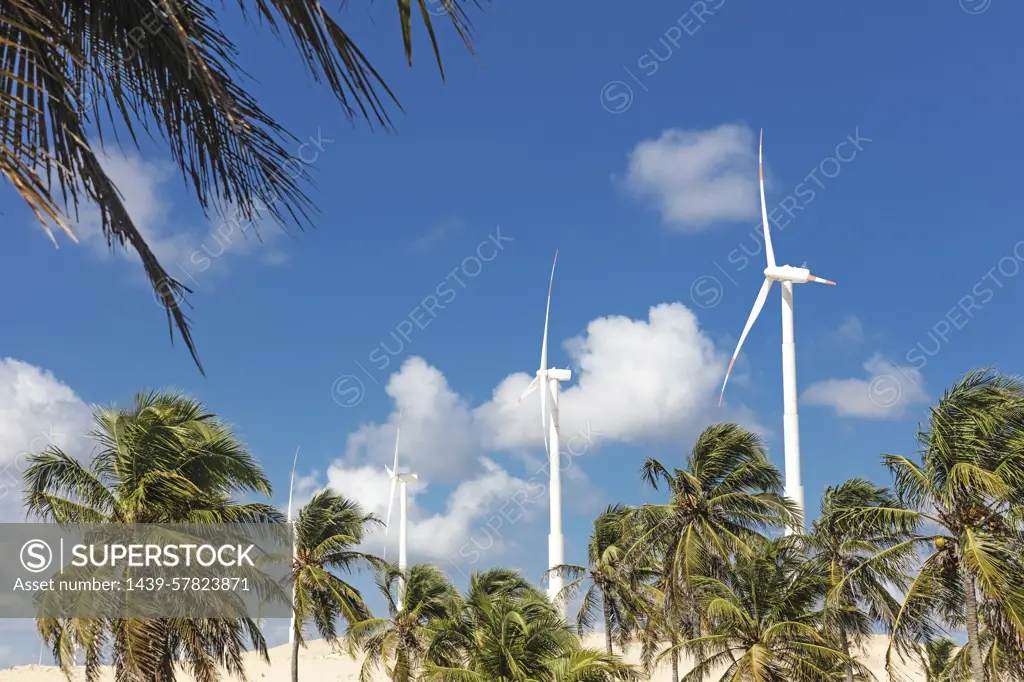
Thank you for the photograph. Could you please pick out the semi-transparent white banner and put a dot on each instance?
(145, 570)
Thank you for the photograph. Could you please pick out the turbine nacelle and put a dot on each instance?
(556, 374)
(400, 477)
(787, 273)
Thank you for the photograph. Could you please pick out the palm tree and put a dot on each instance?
(327, 530)
(400, 641)
(840, 545)
(1003, 658)
(612, 586)
(164, 460)
(763, 625)
(455, 632)
(960, 504)
(936, 655)
(168, 67)
(662, 621)
(507, 631)
(494, 583)
(720, 504)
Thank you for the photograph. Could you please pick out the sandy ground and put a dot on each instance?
(319, 663)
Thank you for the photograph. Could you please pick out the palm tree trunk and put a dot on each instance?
(846, 650)
(607, 623)
(974, 647)
(295, 653)
(675, 660)
(695, 632)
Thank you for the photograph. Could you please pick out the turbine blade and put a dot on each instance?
(544, 416)
(387, 523)
(398, 433)
(529, 389)
(758, 304)
(764, 209)
(544, 343)
(291, 484)
(820, 280)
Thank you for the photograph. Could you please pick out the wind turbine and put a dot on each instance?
(403, 518)
(295, 545)
(788, 276)
(547, 380)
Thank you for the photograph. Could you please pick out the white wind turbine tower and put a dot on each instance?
(547, 380)
(788, 276)
(403, 518)
(295, 546)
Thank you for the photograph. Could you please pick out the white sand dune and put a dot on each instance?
(319, 663)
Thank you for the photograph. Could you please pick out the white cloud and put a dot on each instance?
(636, 381)
(887, 393)
(849, 330)
(38, 410)
(432, 535)
(697, 177)
(184, 251)
(439, 437)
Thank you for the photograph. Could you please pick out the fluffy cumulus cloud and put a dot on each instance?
(888, 392)
(38, 411)
(441, 442)
(439, 438)
(697, 177)
(438, 535)
(634, 381)
(184, 250)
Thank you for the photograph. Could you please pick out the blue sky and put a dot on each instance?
(565, 135)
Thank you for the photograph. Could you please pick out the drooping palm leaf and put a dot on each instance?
(69, 70)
